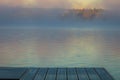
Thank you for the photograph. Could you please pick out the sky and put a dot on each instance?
(112, 4)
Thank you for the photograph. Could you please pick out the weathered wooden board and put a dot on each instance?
(54, 74)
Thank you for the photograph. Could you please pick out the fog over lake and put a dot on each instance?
(34, 37)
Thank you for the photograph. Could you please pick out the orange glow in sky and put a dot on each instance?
(61, 3)
(29, 2)
(85, 3)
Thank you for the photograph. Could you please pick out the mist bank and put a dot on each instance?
(59, 17)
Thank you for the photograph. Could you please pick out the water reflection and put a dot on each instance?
(61, 47)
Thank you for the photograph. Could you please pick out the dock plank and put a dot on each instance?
(71, 74)
(30, 74)
(82, 75)
(61, 74)
(103, 74)
(51, 74)
(11, 73)
(41, 74)
(92, 74)
(54, 74)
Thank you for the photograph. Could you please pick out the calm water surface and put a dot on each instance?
(61, 47)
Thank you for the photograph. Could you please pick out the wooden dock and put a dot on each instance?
(54, 74)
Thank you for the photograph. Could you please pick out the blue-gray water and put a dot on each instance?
(64, 47)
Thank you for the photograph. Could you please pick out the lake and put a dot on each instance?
(64, 47)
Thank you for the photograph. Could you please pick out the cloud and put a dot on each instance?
(36, 3)
(85, 3)
(109, 4)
